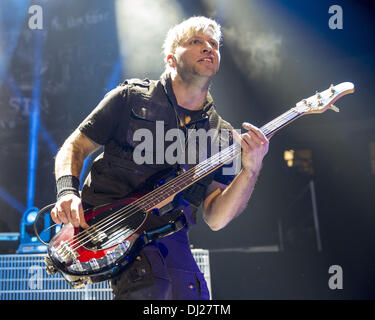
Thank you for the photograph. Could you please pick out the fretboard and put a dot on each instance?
(186, 179)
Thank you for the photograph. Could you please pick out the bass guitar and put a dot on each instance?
(118, 231)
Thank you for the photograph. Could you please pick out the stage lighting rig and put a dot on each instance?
(29, 243)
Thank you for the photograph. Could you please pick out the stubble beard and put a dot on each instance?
(191, 74)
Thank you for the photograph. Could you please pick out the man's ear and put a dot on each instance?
(171, 60)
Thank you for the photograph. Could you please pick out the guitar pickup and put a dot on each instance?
(163, 210)
(97, 236)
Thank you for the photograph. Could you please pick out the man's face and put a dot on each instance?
(198, 56)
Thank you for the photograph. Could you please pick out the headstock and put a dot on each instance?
(324, 100)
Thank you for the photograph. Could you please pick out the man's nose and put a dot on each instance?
(206, 48)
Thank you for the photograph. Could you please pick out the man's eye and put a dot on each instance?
(195, 41)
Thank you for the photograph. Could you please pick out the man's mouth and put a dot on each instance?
(207, 59)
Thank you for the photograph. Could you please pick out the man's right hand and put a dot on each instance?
(69, 209)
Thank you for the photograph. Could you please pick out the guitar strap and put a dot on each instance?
(165, 225)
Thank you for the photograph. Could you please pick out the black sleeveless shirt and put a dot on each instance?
(144, 104)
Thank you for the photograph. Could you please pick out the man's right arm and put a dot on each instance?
(68, 164)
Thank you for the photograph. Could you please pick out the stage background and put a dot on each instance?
(274, 54)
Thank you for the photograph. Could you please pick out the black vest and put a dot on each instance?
(114, 174)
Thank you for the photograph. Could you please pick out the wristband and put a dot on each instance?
(67, 184)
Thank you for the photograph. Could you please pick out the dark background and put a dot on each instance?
(275, 53)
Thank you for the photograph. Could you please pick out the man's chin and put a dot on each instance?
(199, 74)
(207, 72)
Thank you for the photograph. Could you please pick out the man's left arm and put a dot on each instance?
(223, 203)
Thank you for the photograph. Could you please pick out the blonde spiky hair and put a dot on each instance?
(187, 29)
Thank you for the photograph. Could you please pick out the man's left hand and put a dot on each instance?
(254, 146)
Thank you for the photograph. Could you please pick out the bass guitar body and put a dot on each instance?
(116, 234)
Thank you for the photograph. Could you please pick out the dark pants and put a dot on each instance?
(150, 278)
(164, 270)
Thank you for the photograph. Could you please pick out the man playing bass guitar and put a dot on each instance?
(180, 99)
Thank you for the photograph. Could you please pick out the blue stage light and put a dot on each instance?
(29, 243)
(30, 216)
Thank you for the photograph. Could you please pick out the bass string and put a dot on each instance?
(145, 200)
(127, 214)
(120, 234)
(208, 160)
(274, 123)
(198, 170)
(280, 119)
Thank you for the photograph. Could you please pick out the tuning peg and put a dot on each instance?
(318, 96)
(332, 88)
(334, 108)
